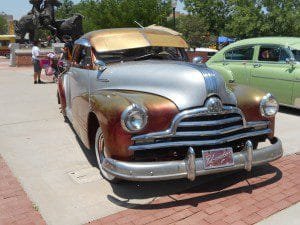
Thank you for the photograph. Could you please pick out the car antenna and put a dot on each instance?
(140, 25)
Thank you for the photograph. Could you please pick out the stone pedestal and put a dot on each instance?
(24, 56)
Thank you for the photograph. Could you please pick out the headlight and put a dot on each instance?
(268, 105)
(134, 118)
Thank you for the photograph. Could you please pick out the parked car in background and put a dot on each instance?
(132, 95)
(204, 53)
(271, 64)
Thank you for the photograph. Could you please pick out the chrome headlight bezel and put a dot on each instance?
(268, 99)
(129, 113)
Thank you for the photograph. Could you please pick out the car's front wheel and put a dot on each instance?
(100, 154)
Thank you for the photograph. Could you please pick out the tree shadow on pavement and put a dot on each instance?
(212, 187)
(289, 110)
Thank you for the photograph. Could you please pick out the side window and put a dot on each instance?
(82, 57)
(272, 54)
(243, 53)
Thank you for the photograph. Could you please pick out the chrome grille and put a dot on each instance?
(200, 128)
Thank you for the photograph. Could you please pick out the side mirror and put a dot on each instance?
(101, 66)
(197, 60)
(290, 61)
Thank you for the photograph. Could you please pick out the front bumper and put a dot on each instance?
(191, 166)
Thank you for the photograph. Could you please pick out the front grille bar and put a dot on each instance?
(188, 114)
(210, 122)
(200, 143)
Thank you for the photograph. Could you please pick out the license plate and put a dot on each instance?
(217, 158)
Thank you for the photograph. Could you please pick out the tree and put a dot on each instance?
(215, 13)
(282, 17)
(247, 19)
(194, 30)
(3, 25)
(65, 10)
(117, 13)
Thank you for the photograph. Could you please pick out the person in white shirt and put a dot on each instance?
(36, 63)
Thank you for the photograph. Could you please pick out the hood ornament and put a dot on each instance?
(214, 105)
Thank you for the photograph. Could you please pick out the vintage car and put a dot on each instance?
(131, 95)
(271, 64)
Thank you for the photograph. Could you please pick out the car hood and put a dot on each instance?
(187, 85)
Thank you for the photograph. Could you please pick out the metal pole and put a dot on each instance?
(174, 19)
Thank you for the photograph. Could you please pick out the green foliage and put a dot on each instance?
(194, 29)
(3, 26)
(65, 10)
(117, 13)
(248, 18)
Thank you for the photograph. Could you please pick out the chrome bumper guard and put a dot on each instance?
(191, 166)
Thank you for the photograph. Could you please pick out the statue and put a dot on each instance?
(42, 16)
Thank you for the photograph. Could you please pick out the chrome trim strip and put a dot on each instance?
(209, 122)
(272, 78)
(153, 171)
(198, 143)
(187, 114)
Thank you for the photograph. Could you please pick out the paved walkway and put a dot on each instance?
(15, 207)
(238, 199)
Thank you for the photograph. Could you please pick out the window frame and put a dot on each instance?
(274, 46)
(75, 63)
(240, 47)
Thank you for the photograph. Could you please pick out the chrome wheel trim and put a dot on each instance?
(99, 146)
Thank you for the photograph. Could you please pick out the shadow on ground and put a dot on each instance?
(213, 188)
(289, 110)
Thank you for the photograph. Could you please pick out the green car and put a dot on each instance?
(271, 64)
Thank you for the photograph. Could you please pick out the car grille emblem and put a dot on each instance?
(214, 105)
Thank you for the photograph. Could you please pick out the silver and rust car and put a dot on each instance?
(132, 95)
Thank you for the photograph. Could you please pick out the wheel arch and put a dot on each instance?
(92, 126)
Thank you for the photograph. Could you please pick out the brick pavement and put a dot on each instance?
(15, 206)
(238, 199)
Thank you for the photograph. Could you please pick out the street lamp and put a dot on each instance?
(174, 5)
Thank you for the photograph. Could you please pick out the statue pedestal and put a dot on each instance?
(24, 56)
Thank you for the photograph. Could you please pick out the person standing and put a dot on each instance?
(36, 63)
(68, 48)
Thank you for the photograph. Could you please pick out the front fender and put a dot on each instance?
(224, 71)
(248, 100)
(108, 107)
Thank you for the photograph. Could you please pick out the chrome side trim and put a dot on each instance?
(198, 143)
(186, 114)
(153, 171)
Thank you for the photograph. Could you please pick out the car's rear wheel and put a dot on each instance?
(100, 154)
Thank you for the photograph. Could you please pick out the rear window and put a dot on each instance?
(243, 53)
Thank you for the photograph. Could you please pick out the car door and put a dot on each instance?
(271, 73)
(296, 65)
(238, 60)
(79, 87)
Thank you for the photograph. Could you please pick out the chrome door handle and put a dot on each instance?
(256, 65)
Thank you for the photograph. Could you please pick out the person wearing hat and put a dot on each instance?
(68, 48)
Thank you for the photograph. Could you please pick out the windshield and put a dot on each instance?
(296, 54)
(161, 53)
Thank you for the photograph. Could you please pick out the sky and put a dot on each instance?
(18, 8)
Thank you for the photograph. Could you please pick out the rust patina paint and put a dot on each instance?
(248, 100)
(108, 106)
